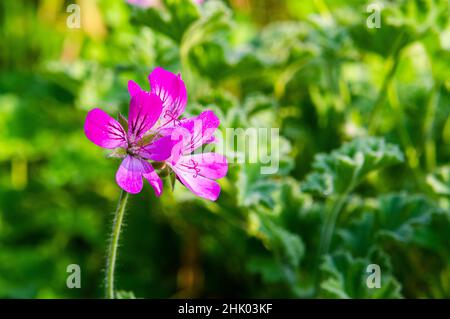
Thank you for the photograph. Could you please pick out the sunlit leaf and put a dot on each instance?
(342, 170)
(440, 181)
(173, 20)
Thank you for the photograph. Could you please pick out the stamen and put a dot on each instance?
(193, 167)
(172, 118)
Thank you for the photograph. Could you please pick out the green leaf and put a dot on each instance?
(259, 181)
(402, 22)
(436, 237)
(342, 170)
(359, 236)
(204, 35)
(344, 276)
(173, 20)
(396, 217)
(258, 186)
(254, 189)
(287, 247)
(290, 200)
(439, 181)
(267, 267)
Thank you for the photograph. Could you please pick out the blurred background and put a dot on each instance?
(336, 81)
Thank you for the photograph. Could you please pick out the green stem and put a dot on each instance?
(405, 139)
(327, 235)
(430, 144)
(114, 243)
(393, 62)
(330, 224)
(373, 120)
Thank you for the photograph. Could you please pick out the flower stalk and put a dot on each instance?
(114, 244)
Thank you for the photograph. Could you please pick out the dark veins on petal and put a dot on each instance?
(138, 125)
(116, 131)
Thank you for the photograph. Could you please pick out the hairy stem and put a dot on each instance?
(114, 243)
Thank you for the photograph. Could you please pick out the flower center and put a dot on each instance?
(133, 149)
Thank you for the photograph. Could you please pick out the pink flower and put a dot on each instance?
(197, 172)
(154, 132)
(137, 144)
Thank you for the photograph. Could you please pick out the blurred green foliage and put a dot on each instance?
(365, 138)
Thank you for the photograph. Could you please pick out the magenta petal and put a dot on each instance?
(153, 178)
(199, 185)
(172, 92)
(200, 130)
(210, 165)
(133, 88)
(104, 131)
(145, 109)
(129, 175)
(159, 150)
